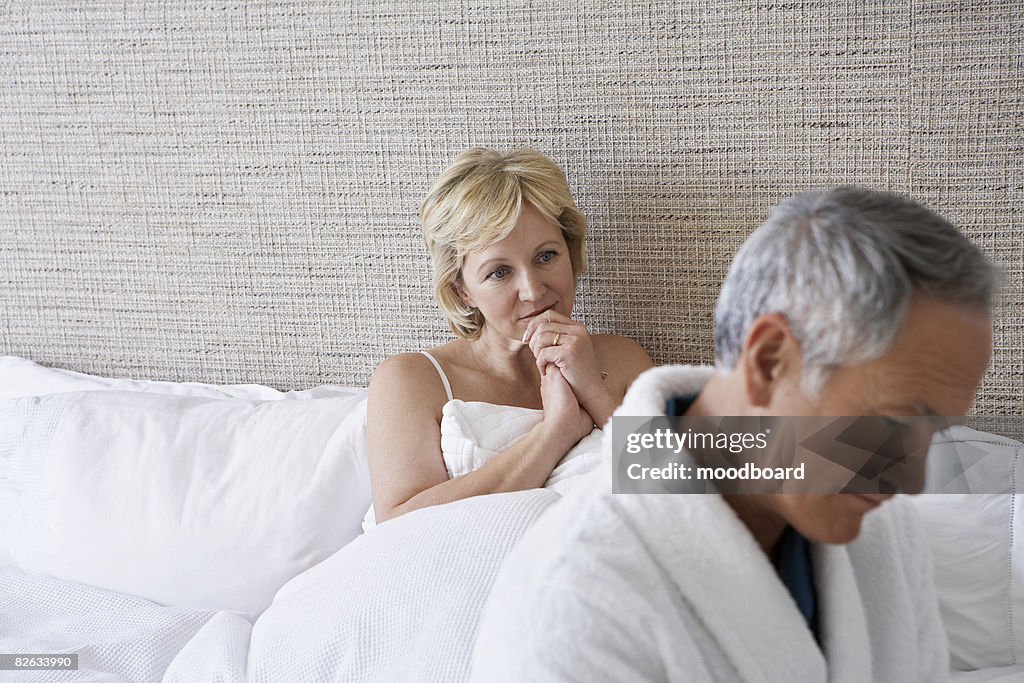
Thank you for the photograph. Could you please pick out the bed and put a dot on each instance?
(209, 212)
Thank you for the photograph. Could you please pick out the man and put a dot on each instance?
(843, 303)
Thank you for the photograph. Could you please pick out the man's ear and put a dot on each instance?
(770, 351)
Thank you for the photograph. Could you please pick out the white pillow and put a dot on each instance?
(23, 427)
(192, 502)
(976, 541)
(20, 378)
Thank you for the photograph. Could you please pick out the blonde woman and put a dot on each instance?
(506, 242)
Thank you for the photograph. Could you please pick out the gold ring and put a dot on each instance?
(558, 335)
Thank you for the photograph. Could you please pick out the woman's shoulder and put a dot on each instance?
(418, 361)
(614, 346)
(621, 357)
(411, 377)
(447, 353)
(402, 363)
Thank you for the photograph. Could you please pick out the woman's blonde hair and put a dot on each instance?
(477, 202)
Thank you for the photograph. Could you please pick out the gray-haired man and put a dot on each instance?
(843, 303)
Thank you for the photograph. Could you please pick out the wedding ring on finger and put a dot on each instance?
(558, 335)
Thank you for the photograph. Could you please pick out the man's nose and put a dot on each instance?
(909, 472)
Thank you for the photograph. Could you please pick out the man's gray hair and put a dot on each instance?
(841, 267)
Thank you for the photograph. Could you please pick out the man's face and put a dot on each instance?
(933, 368)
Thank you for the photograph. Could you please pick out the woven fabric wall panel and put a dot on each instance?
(228, 191)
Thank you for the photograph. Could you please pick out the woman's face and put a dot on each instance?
(521, 276)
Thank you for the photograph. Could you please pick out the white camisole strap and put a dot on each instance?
(444, 377)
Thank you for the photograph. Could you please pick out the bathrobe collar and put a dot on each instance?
(732, 587)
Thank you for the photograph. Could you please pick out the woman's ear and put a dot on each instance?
(460, 290)
(770, 354)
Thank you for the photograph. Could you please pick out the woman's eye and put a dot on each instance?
(498, 274)
(547, 256)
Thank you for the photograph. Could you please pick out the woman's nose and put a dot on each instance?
(531, 287)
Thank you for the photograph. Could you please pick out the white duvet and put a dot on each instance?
(117, 637)
(398, 604)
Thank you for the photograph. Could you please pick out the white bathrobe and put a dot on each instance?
(608, 587)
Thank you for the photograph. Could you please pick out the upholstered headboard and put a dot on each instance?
(228, 191)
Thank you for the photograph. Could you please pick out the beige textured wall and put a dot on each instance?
(228, 191)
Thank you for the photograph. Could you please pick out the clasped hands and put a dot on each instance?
(572, 386)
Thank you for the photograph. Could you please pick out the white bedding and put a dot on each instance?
(117, 637)
(1002, 674)
(201, 503)
(400, 603)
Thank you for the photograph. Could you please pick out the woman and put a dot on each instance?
(506, 241)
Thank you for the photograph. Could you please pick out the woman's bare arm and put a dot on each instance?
(407, 469)
(624, 359)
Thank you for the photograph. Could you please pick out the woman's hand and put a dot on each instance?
(561, 407)
(565, 343)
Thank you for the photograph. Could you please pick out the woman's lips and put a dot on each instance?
(538, 312)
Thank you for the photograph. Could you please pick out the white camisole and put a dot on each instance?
(473, 432)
